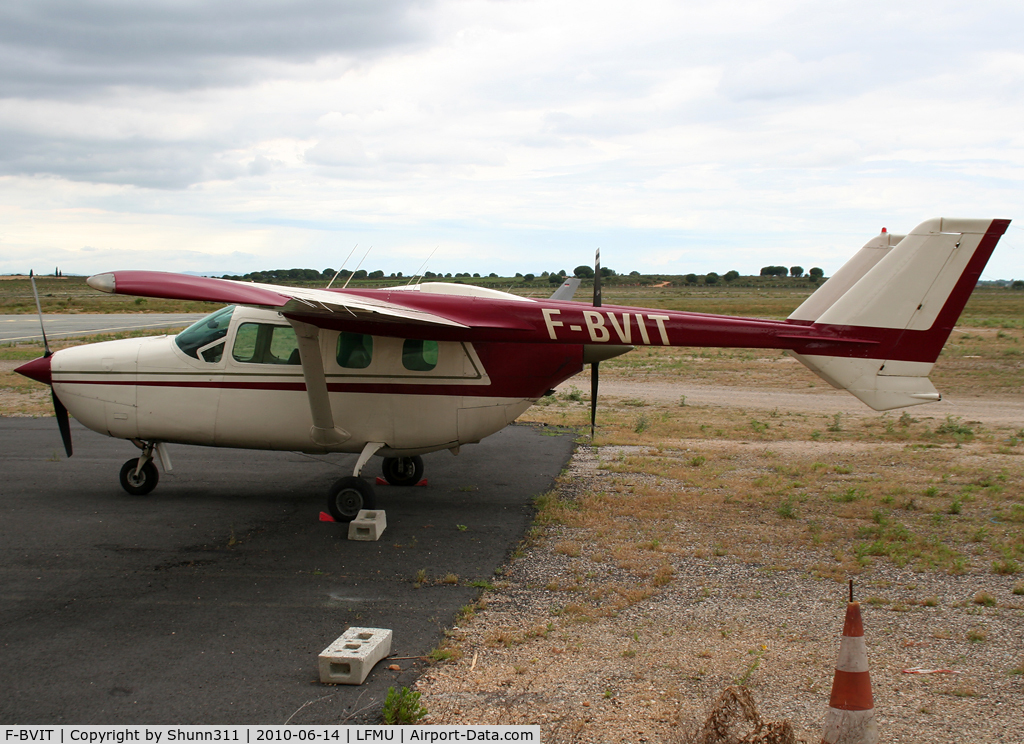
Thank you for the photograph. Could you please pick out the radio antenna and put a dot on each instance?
(342, 265)
(423, 265)
(357, 266)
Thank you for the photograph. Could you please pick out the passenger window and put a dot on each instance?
(355, 350)
(419, 356)
(263, 343)
(245, 342)
(284, 346)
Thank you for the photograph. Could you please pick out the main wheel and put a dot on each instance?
(144, 482)
(348, 496)
(403, 471)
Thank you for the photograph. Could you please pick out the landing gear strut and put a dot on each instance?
(350, 494)
(139, 475)
(136, 480)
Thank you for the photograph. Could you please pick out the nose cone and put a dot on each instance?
(37, 369)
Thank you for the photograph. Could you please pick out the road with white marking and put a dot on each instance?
(22, 328)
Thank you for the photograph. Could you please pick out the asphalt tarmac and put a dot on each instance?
(16, 328)
(208, 601)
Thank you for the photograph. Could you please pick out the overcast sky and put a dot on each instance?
(511, 135)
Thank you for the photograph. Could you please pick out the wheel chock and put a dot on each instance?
(325, 517)
(368, 525)
(381, 482)
(350, 658)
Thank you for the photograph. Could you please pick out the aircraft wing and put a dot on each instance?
(294, 300)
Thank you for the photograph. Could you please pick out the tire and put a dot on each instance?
(403, 471)
(141, 484)
(347, 496)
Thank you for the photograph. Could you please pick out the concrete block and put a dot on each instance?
(368, 525)
(350, 658)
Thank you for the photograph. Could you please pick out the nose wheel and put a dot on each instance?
(139, 475)
(136, 480)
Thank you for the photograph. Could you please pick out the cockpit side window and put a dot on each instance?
(264, 343)
(419, 355)
(203, 333)
(355, 350)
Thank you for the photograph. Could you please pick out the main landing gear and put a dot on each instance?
(139, 475)
(350, 494)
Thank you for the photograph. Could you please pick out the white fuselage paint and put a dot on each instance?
(150, 389)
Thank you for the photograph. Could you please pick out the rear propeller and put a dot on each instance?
(59, 410)
(594, 365)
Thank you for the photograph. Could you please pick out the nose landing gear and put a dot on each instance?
(139, 475)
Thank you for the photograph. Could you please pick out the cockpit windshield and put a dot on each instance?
(205, 332)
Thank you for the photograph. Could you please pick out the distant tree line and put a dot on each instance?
(794, 271)
(284, 276)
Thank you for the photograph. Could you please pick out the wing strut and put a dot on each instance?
(324, 432)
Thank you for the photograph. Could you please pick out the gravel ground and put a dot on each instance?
(651, 670)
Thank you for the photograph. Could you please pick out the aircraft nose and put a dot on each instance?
(37, 369)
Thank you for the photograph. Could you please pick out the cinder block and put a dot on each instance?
(350, 658)
(368, 525)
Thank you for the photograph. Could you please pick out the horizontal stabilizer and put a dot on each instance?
(879, 384)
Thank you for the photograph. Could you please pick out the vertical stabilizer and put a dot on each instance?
(905, 296)
(851, 272)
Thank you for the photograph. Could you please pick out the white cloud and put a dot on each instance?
(517, 135)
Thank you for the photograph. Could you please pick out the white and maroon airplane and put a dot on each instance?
(403, 371)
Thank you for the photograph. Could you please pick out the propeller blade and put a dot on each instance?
(593, 367)
(59, 410)
(62, 421)
(39, 309)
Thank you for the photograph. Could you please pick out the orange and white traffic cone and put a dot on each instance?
(851, 711)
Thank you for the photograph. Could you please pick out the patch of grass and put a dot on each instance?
(984, 599)
(977, 635)
(570, 548)
(837, 423)
(444, 653)
(402, 707)
(953, 427)
(1006, 567)
(786, 509)
(963, 691)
